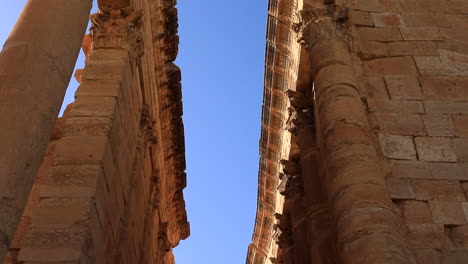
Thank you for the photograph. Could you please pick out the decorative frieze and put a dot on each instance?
(282, 234)
(324, 22)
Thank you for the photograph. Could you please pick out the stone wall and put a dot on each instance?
(383, 165)
(413, 66)
(110, 187)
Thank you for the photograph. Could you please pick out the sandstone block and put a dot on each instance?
(116, 70)
(394, 106)
(373, 50)
(449, 171)
(461, 148)
(453, 256)
(430, 65)
(410, 169)
(399, 124)
(459, 236)
(435, 149)
(397, 147)
(421, 19)
(379, 5)
(390, 66)
(441, 88)
(404, 48)
(104, 88)
(447, 213)
(416, 212)
(80, 150)
(387, 19)
(61, 213)
(421, 34)
(50, 255)
(429, 256)
(439, 125)
(86, 126)
(71, 181)
(374, 87)
(440, 190)
(456, 108)
(400, 188)
(404, 87)
(431, 6)
(428, 236)
(361, 18)
(461, 125)
(94, 107)
(379, 34)
(454, 34)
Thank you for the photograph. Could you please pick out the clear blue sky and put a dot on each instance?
(222, 57)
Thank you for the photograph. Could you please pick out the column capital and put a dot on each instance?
(324, 22)
(118, 28)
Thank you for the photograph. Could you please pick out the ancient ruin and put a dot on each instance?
(364, 143)
(102, 184)
(364, 126)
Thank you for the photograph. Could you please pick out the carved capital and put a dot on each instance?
(324, 22)
(118, 29)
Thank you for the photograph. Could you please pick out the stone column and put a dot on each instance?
(367, 225)
(36, 64)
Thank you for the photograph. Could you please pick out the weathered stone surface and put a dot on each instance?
(397, 147)
(435, 149)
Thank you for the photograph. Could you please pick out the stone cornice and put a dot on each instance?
(280, 75)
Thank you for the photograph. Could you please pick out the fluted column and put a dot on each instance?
(368, 228)
(36, 64)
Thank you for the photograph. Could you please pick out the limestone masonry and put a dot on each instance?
(364, 144)
(363, 150)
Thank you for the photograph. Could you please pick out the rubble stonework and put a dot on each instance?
(382, 166)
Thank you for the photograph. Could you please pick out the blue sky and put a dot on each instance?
(222, 58)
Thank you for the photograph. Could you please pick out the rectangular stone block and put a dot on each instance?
(454, 34)
(420, 34)
(441, 88)
(461, 125)
(404, 87)
(390, 66)
(100, 88)
(387, 20)
(116, 70)
(448, 213)
(416, 212)
(441, 190)
(430, 65)
(399, 124)
(439, 125)
(394, 106)
(81, 151)
(379, 5)
(361, 18)
(379, 34)
(400, 188)
(461, 148)
(435, 149)
(86, 126)
(60, 213)
(397, 147)
(455, 256)
(94, 107)
(449, 171)
(405, 48)
(78, 181)
(374, 87)
(430, 6)
(410, 169)
(431, 236)
(421, 19)
(429, 256)
(373, 50)
(436, 107)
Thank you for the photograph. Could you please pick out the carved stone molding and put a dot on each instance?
(147, 125)
(163, 240)
(290, 180)
(301, 114)
(325, 22)
(282, 234)
(118, 28)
